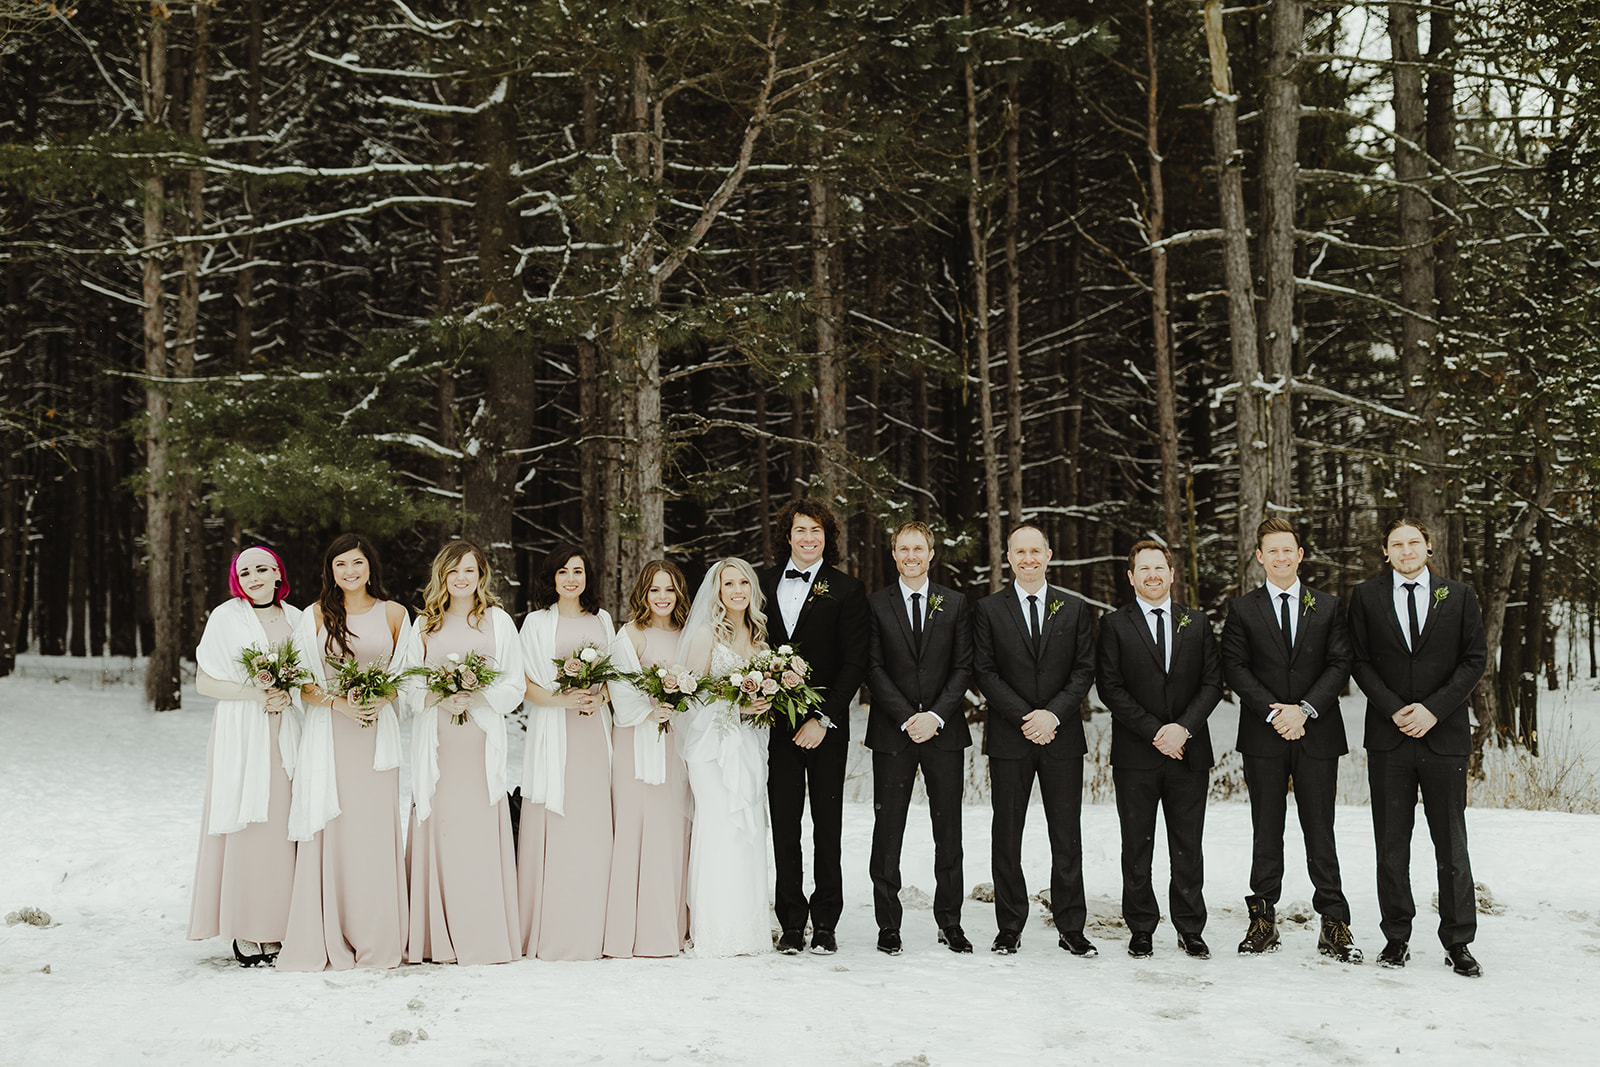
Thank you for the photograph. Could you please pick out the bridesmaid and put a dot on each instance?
(245, 869)
(349, 903)
(564, 848)
(646, 912)
(460, 853)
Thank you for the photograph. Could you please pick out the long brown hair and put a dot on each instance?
(544, 579)
(436, 599)
(331, 599)
(639, 612)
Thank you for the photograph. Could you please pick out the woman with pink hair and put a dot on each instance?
(245, 870)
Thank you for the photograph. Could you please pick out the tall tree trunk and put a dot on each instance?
(980, 331)
(832, 379)
(1013, 299)
(1535, 619)
(1251, 433)
(1160, 320)
(1441, 143)
(1418, 295)
(502, 426)
(1280, 140)
(163, 685)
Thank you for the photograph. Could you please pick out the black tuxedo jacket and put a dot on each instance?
(905, 682)
(831, 634)
(1143, 699)
(1263, 671)
(1015, 679)
(1440, 674)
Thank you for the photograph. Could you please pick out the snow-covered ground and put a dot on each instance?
(101, 804)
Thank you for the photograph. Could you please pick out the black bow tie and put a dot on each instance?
(804, 576)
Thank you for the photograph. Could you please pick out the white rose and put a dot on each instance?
(686, 684)
(784, 650)
(589, 655)
(661, 672)
(453, 658)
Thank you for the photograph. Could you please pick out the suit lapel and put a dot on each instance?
(774, 612)
(1045, 621)
(905, 621)
(811, 595)
(1390, 614)
(1136, 618)
(1434, 608)
(1018, 620)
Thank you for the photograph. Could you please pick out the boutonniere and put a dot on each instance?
(935, 602)
(1184, 620)
(1309, 603)
(1439, 594)
(1055, 606)
(820, 589)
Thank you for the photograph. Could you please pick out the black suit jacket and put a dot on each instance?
(1014, 679)
(1440, 674)
(1263, 671)
(905, 682)
(831, 634)
(1142, 699)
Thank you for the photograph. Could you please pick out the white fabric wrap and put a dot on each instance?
(715, 733)
(632, 707)
(503, 697)
(544, 756)
(315, 801)
(241, 756)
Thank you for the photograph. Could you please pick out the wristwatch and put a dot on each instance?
(1307, 710)
(827, 723)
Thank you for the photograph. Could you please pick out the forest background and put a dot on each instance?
(635, 273)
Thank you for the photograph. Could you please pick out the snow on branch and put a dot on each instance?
(347, 62)
(422, 444)
(1342, 290)
(429, 108)
(433, 29)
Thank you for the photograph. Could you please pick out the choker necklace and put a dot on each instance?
(264, 607)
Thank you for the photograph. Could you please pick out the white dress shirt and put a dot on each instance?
(1294, 591)
(1166, 623)
(792, 593)
(905, 595)
(1402, 597)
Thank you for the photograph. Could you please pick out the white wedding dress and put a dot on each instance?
(730, 913)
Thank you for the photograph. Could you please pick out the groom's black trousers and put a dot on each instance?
(792, 773)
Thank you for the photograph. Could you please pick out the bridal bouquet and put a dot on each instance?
(370, 685)
(587, 666)
(780, 677)
(457, 674)
(276, 668)
(675, 687)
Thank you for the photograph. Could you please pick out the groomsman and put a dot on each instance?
(1419, 651)
(1286, 653)
(822, 611)
(1159, 673)
(919, 664)
(1034, 662)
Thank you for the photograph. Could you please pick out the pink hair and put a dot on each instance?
(233, 575)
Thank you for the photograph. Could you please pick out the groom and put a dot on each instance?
(822, 612)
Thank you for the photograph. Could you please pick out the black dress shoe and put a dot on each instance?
(956, 938)
(1394, 954)
(1006, 942)
(1263, 933)
(1074, 942)
(792, 943)
(823, 943)
(889, 942)
(1460, 958)
(1195, 946)
(1141, 946)
(1337, 941)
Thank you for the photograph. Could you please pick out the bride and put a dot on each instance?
(730, 913)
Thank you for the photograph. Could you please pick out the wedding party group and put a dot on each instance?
(661, 756)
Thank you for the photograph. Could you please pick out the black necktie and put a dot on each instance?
(1033, 618)
(1283, 618)
(1161, 639)
(804, 576)
(1411, 607)
(916, 620)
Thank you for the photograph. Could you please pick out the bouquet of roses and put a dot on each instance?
(674, 687)
(370, 685)
(779, 676)
(457, 674)
(587, 666)
(276, 668)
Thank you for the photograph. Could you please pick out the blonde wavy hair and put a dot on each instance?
(436, 600)
(721, 624)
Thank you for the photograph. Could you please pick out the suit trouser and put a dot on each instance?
(894, 774)
(1061, 788)
(1395, 777)
(792, 773)
(1316, 782)
(1180, 791)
